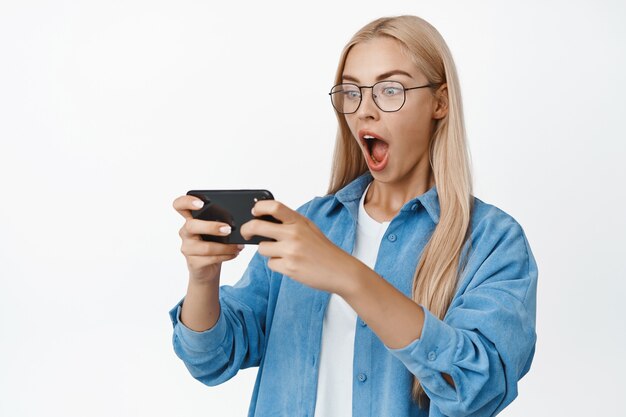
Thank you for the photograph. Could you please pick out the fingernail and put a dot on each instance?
(252, 211)
(225, 229)
(240, 246)
(198, 203)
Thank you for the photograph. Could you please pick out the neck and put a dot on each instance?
(385, 199)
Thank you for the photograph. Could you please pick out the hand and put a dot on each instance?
(204, 259)
(301, 250)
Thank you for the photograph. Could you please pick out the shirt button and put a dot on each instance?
(362, 377)
(392, 237)
(432, 356)
(414, 207)
(362, 323)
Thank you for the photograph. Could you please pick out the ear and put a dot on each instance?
(440, 108)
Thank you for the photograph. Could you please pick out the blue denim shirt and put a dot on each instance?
(485, 342)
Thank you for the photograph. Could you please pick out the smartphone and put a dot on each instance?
(232, 207)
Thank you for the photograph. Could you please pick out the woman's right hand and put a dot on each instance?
(204, 259)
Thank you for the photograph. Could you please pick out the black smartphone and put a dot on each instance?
(232, 207)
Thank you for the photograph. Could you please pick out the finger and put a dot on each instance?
(278, 265)
(276, 209)
(194, 227)
(271, 249)
(185, 203)
(191, 247)
(213, 259)
(257, 227)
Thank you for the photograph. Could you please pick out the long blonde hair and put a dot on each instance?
(440, 265)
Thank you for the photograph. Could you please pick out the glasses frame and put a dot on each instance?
(361, 87)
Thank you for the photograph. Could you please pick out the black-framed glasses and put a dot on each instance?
(389, 96)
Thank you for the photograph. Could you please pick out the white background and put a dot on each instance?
(109, 110)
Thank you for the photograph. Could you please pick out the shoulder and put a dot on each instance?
(318, 207)
(499, 251)
(322, 208)
(489, 221)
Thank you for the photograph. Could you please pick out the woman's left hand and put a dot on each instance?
(301, 250)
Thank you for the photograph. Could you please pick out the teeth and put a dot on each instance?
(368, 137)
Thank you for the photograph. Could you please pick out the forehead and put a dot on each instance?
(367, 60)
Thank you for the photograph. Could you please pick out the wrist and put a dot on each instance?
(205, 277)
(203, 284)
(352, 277)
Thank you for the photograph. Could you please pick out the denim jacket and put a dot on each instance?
(485, 342)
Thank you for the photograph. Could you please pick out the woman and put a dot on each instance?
(398, 293)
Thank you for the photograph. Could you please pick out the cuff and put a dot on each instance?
(432, 353)
(205, 341)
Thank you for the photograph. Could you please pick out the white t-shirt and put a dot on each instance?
(334, 386)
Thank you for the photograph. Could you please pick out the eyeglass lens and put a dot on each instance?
(388, 96)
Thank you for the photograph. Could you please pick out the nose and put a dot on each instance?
(367, 108)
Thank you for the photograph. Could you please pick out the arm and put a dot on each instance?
(235, 317)
(486, 341)
(201, 308)
(396, 319)
(237, 338)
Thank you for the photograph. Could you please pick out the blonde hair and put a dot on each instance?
(439, 267)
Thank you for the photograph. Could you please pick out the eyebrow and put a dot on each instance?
(380, 77)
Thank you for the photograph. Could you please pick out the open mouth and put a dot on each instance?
(376, 148)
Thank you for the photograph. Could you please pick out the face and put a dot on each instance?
(394, 144)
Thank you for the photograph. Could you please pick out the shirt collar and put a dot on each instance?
(350, 196)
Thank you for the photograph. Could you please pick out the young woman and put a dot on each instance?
(398, 293)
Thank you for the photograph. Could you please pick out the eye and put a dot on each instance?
(351, 94)
(391, 91)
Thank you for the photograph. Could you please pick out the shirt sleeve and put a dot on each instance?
(237, 340)
(486, 341)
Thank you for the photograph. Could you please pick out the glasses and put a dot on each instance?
(389, 96)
